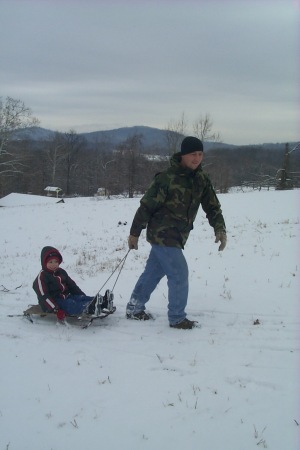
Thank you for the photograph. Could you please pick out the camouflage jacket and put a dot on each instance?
(170, 205)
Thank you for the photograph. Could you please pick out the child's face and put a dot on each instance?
(52, 264)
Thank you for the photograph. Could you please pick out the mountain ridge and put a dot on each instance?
(151, 137)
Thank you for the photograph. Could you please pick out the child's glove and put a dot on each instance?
(221, 237)
(60, 314)
(133, 242)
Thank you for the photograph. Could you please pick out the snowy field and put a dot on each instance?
(232, 384)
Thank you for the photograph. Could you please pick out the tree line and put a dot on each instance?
(78, 167)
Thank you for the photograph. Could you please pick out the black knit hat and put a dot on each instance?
(191, 144)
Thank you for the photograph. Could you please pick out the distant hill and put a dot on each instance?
(33, 134)
(152, 137)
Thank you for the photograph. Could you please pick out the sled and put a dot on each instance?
(85, 319)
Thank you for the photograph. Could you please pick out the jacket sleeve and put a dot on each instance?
(41, 289)
(73, 288)
(212, 207)
(152, 200)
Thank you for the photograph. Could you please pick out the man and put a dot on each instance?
(168, 210)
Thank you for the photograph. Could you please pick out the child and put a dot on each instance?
(58, 293)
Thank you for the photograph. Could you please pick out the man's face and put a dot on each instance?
(192, 160)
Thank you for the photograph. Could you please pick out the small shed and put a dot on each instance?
(52, 191)
(101, 191)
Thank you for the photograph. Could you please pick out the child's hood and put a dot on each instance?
(47, 252)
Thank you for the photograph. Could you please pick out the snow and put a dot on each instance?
(120, 384)
(14, 199)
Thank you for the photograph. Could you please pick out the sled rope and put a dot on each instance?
(121, 263)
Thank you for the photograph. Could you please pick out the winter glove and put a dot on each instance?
(133, 242)
(60, 314)
(221, 237)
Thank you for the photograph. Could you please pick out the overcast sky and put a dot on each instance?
(98, 65)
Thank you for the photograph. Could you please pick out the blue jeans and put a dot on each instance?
(169, 262)
(74, 305)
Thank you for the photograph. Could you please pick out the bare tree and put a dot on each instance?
(71, 146)
(175, 131)
(128, 163)
(203, 129)
(107, 175)
(14, 116)
(285, 181)
(55, 156)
